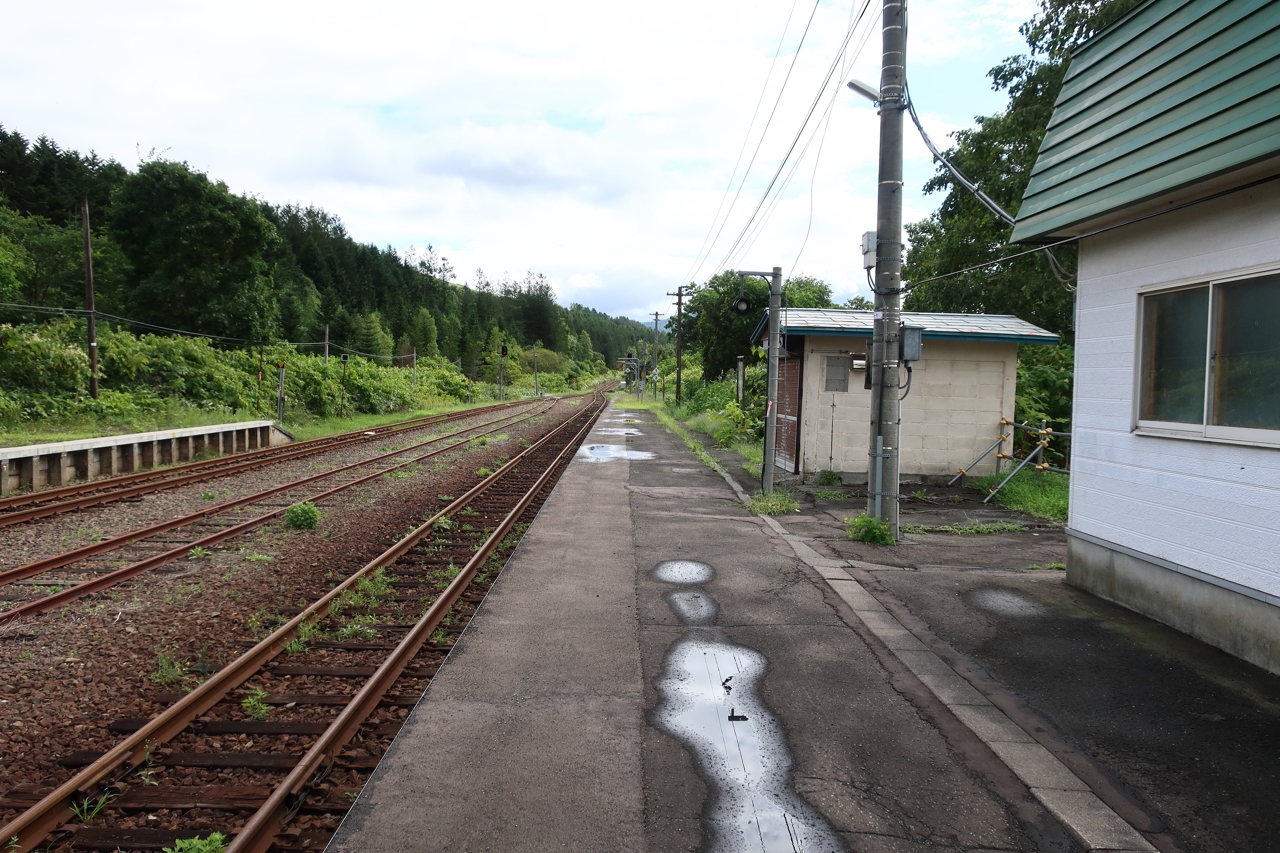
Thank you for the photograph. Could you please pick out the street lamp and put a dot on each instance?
(866, 90)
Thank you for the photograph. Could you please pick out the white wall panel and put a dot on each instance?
(1213, 507)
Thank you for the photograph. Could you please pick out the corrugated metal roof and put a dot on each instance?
(997, 328)
(1173, 93)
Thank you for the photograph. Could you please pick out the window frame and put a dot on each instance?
(1204, 431)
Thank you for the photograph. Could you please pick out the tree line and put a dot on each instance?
(177, 249)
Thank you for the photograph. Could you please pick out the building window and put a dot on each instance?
(1210, 360)
(836, 369)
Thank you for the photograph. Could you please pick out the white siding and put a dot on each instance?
(959, 392)
(1209, 506)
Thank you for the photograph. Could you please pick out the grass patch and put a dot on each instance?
(1054, 567)
(778, 503)
(752, 451)
(830, 495)
(829, 478)
(1042, 495)
(866, 528)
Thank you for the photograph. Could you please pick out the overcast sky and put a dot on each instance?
(591, 142)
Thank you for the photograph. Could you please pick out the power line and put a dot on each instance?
(1097, 231)
(745, 139)
(796, 139)
(760, 142)
(80, 312)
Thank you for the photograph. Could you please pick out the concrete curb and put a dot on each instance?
(1069, 799)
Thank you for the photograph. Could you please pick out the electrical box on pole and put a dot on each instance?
(869, 250)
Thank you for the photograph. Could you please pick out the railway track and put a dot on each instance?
(63, 578)
(270, 750)
(28, 506)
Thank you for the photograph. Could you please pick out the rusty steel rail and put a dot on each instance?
(29, 829)
(110, 579)
(66, 558)
(94, 492)
(260, 830)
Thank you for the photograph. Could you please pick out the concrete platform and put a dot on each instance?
(659, 669)
(46, 466)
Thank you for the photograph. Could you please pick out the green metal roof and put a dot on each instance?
(1173, 93)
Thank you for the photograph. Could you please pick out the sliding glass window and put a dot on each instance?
(1210, 360)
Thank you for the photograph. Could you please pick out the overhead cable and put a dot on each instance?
(760, 142)
(1097, 231)
(795, 140)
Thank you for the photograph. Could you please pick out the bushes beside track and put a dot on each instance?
(152, 379)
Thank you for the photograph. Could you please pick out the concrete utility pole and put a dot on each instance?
(883, 455)
(280, 395)
(679, 295)
(536, 391)
(88, 299)
(656, 315)
(643, 369)
(771, 404)
(326, 344)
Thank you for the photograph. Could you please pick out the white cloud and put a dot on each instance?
(589, 141)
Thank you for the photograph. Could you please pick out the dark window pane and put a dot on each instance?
(837, 370)
(1246, 366)
(1175, 330)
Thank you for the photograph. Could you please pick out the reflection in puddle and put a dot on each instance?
(1006, 602)
(693, 606)
(683, 571)
(609, 452)
(709, 704)
(619, 431)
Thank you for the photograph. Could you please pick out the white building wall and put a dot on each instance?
(959, 392)
(1209, 506)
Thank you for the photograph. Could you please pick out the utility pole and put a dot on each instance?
(771, 404)
(326, 344)
(280, 395)
(88, 299)
(883, 453)
(536, 392)
(656, 315)
(679, 295)
(415, 367)
(643, 370)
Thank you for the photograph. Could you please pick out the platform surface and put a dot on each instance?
(587, 705)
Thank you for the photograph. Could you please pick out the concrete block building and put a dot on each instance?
(1163, 159)
(960, 389)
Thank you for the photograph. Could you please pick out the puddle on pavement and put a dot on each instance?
(619, 431)
(693, 606)
(710, 703)
(1006, 602)
(683, 571)
(610, 452)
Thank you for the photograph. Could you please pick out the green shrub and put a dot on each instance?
(303, 516)
(866, 528)
(829, 478)
(216, 842)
